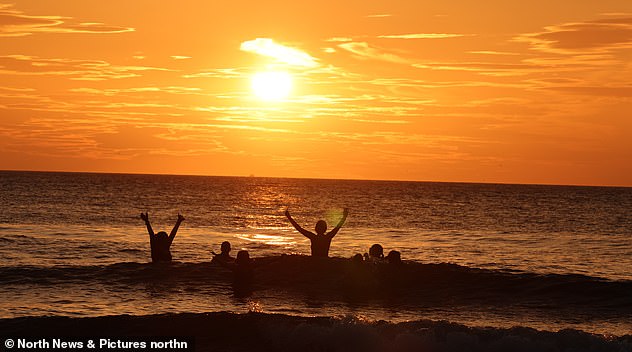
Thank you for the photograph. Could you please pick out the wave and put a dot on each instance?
(223, 331)
(122, 273)
(341, 279)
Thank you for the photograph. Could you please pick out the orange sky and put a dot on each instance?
(504, 91)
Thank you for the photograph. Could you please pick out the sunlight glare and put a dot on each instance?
(272, 85)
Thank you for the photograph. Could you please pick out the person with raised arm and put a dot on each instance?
(161, 243)
(320, 241)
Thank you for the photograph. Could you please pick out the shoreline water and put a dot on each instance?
(223, 331)
(307, 286)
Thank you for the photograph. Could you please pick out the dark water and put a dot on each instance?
(548, 257)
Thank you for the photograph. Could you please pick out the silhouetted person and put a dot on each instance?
(393, 276)
(320, 241)
(358, 280)
(224, 256)
(243, 271)
(394, 258)
(376, 253)
(160, 242)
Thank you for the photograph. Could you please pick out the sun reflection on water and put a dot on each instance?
(275, 240)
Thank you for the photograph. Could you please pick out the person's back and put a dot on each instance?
(394, 258)
(320, 242)
(224, 256)
(160, 242)
(243, 270)
(160, 248)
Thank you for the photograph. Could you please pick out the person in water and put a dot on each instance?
(243, 271)
(394, 258)
(224, 256)
(320, 241)
(160, 242)
(376, 254)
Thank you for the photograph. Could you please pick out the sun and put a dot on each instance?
(272, 85)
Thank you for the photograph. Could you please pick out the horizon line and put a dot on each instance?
(317, 178)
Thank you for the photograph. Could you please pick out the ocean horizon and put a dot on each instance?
(323, 178)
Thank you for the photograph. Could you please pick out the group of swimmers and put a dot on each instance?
(376, 255)
(320, 242)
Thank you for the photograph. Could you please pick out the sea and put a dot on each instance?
(544, 257)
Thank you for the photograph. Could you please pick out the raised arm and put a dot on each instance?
(172, 235)
(298, 227)
(145, 218)
(335, 230)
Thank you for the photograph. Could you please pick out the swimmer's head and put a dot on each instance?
(243, 257)
(161, 236)
(225, 247)
(394, 257)
(376, 251)
(321, 227)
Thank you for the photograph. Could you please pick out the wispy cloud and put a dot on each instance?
(115, 91)
(218, 73)
(364, 51)
(592, 36)
(16, 89)
(87, 70)
(482, 67)
(380, 15)
(288, 55)
(618, 14)
(597, 91)
(491, 52)
(423, 36)
(340, 39)
(14, 23)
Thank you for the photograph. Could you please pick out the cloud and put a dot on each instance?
(340, 39)
(498, 69)
(180, 57)
(140, 90)
(227, 73)
(581, 37)
(14, 23)
(618, 14)
(14, 89)
(87, 27)
(364, 51)
(490, 52)
(535, 65)
(87, 70)
(291, 56)
(423, 36)
(597, 91)
(381, 15)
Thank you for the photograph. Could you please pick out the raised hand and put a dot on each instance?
(145, 218)
(287, 213)
(180, 218)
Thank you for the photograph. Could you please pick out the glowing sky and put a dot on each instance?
(492, 91)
